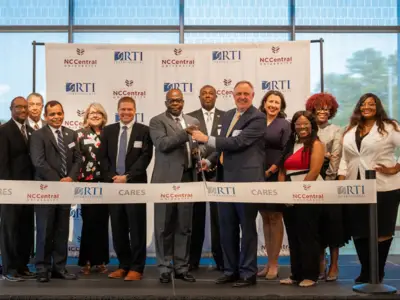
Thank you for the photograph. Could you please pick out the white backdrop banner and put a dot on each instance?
(79, 74)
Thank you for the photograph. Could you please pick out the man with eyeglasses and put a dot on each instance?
(16, 219)
(35, 107)
(174, 162)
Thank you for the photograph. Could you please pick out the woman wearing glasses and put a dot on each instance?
(94, 250)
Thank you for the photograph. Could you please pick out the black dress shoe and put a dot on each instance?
(63, 275)
(185, 277)
(243, 282)
(27, 274)
(193, 267)
(226, 279)
(165, 278)
(42, 277)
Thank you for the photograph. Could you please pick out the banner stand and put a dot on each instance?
(321, 59)
(374, 287)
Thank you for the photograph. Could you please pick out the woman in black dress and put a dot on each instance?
(94, 249)
(369, 142)
(277, 133)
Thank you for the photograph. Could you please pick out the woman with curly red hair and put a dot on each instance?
(324, 107)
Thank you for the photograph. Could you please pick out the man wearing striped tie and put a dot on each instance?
(56, 158)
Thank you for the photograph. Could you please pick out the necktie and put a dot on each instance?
(63, 153)
(233, 123)
(209, 116)
(123, 141)
(36, 127)
(23, 131)
(186, 153)
(209, 120)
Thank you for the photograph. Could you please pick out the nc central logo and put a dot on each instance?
(80, 87)
(80, 113)
(185, 87)
(280, 85)
(88, 192)
(80, 51)
(275, 49)
(226, 55)
(227, 82)
(177, 51)
(128, 56)
(128, 82)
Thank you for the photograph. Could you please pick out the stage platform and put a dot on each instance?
(98, 286)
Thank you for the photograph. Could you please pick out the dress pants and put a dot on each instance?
(302, 227)
(52, 230)
(172, 231)
(128, 226)
(240, 255)
(17, 236)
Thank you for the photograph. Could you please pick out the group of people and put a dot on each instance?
(244, 144)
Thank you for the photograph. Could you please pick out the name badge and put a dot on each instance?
(88, 141)
(236, 133)
(71, 145)
(219, 131)
(138, 144)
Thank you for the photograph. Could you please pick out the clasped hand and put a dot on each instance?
(196, 134)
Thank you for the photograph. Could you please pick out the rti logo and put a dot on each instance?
(185, 87)
(75, 213)
(226, 56)
(351, 191)
(222, 191)
(81, 88)
(227, 90)
(129, 89)
(88, 192)
(79, 62)
(139, 117)
(182, 62)
(276, 58)
(283, 85)
(129, 57)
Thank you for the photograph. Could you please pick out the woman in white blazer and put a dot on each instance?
(369, 143)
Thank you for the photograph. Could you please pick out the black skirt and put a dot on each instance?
(271, 207)
(332, 226)
(357, 215)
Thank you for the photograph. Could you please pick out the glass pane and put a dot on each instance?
(126, 38)
(233, 37)
(345, 12)
(33, 12)
(16, 66)
(237, 12)
(117, 12)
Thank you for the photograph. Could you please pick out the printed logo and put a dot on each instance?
(128, 57)
(88, 192)
(182, 62)
(351, 191)
(226, 56)
(80, 112)
(175, 195)
(79, 62)
(283, 85)
(127, 192)
(226, 91)
(42, 196)
(139, 117)
(73, 124)
(306, 187)
(129, 89)
(5, 192)
(80, 88)
(43, 186)
(219, 191)
(276, 58)
(185, 87)
(308, 197)
(176, 187)
(264, 192)
(76, 213)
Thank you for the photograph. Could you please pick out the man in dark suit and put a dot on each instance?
(240, 152)
(56, 158)
(35, 108)
(174, 162)
(16, 219)
(125, 152)
(210, 124)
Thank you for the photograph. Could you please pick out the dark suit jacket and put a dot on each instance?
(244, 151)
(217, 125)
(137, 158)
(15, 160)
(46, 156)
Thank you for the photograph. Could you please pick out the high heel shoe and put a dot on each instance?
(332, 278)
(263, 272)
(272, 276)
(86, 269)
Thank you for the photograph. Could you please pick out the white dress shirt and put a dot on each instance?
(128, 132)
(53, 130)
(183, 124)
(375, 149)
(209, 119)
(33, 123)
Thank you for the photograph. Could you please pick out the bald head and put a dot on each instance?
(174, 102)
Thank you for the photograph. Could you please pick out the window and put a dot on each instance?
(126, 38)
(16, 66)
(33, 12)
(344, 12)
(233, 37)
(237, 12)
(117, 12)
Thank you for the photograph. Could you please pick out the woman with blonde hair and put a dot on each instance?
(94, 249)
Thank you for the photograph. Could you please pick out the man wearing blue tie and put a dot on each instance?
(240, 157)
(125, 152)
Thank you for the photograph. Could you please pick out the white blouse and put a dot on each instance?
(375, 149)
